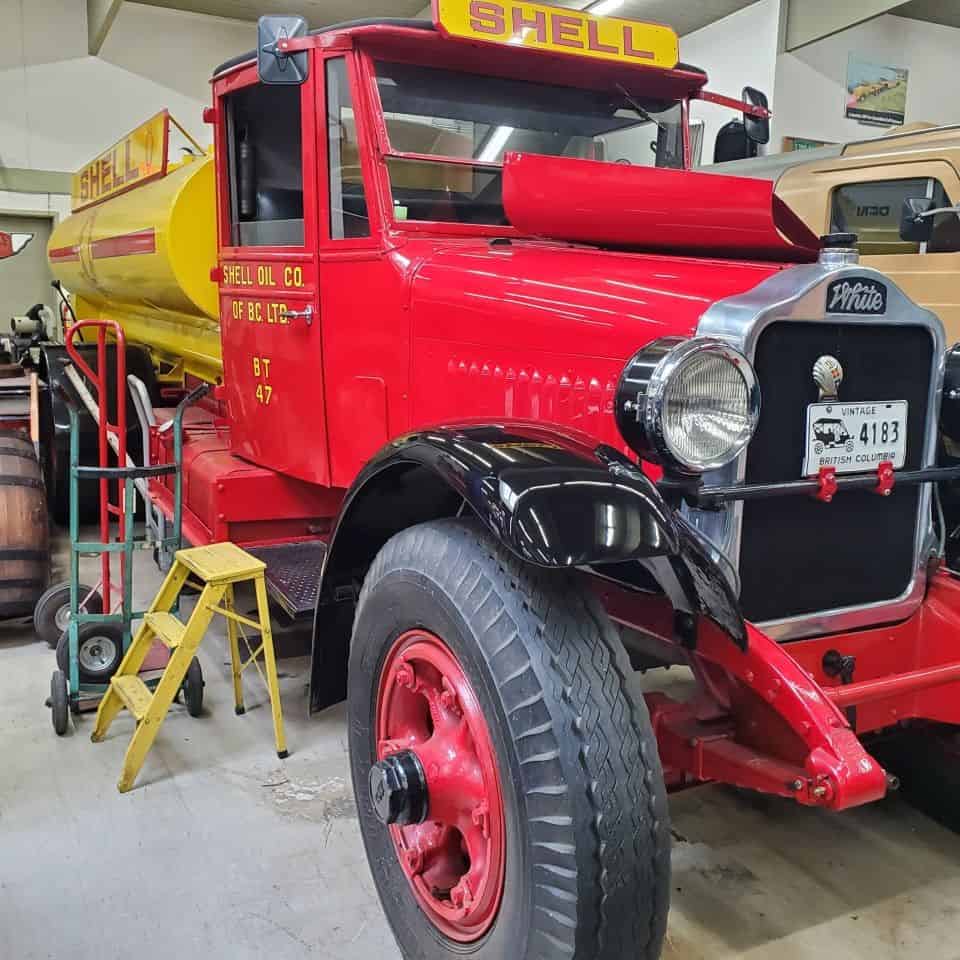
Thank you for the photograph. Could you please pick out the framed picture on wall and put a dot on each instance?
(875, 94)
(803, 143)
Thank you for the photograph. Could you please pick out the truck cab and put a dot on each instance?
(366, 185)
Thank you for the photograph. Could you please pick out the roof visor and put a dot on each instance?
(539, 26)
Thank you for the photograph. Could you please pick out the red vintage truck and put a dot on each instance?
(515, 421)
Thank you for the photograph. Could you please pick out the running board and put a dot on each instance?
(293, 574)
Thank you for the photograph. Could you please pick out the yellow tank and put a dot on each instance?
(143, 258)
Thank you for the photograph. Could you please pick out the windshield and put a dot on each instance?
(442, 116)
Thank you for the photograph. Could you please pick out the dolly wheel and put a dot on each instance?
(99, 651)
(193, 688)
(58, 702)
(51, 615)
(507, 780)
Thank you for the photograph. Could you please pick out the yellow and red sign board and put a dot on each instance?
(139, 157)
(541, 26)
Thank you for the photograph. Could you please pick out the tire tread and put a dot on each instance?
(601, 897)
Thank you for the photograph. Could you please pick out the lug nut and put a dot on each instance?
(406, 676)
(481, 817)
(448, 699)
(414, 861)
(461, 896)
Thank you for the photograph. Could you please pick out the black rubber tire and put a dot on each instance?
(86, 633)
(193, 688)
(59, 713)
(587, 827)
(49, 607)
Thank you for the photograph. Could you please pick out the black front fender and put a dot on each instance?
(552, 499)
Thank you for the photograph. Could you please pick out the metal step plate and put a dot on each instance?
(293, 574)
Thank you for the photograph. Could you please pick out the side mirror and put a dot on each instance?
(915, 226)
(273, 65)
(756, 128)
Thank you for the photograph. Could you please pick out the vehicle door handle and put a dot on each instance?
(298, 315)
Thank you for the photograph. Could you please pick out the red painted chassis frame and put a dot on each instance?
(767, 718)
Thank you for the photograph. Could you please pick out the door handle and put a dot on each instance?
(298, 315)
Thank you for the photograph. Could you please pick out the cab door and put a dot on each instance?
(269, 297)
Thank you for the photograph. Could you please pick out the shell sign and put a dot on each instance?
(139, 157)
(540, 26)
(12, 243)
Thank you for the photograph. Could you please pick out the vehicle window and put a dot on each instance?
(458, 126)
(265, 166)
(348, 203)
(872, 210)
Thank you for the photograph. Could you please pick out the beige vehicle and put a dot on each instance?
(887, 191)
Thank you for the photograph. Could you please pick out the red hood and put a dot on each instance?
(541, 330)
(652, 209)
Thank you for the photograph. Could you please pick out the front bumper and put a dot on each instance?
(825, 486)
(782, 719)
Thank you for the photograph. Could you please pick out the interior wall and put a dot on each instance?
(811, 82)
(738, 51)
(59, 107)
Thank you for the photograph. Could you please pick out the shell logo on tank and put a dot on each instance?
(138, 157)
(12, 243)
(541, 26)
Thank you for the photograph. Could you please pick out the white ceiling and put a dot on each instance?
(944, 12)
(684, 17)
(319, 13)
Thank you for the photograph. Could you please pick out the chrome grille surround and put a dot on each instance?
(799, 294)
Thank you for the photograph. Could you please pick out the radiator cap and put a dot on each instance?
(839, 249)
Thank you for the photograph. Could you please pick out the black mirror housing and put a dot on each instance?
(915, 228)
(756, 128)
(273, 65)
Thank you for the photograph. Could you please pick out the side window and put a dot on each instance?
(348, 202)
(872, 210)
(265, 166)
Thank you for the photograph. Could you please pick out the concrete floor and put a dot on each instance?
(222, 850)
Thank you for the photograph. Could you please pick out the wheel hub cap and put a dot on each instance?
(398, 789)
(97, 653)
(436, 785)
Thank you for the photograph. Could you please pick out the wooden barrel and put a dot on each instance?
(24, 537)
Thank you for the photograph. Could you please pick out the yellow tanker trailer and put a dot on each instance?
(138, 249)
(142, 256)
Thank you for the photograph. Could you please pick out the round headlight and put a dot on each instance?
(692, 405)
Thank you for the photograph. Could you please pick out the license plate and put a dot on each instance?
(855, 437)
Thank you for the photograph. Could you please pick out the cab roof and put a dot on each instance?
(682, 79)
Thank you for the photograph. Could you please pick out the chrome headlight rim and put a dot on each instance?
(660, 379)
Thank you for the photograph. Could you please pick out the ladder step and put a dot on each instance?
(167, 627)
(219, 562)
(134, 693)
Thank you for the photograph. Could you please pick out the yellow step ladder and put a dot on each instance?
(218, 567)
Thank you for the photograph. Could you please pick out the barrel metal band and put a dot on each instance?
(35, 482)
(24, 454)
(16, 608)
(22, 584)
(15, 553)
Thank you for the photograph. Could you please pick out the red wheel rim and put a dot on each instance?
(454, 860)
